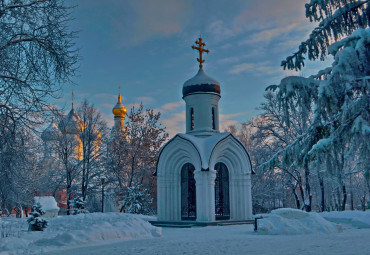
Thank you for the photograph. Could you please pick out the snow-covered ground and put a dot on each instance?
(67, 231)
(285, 232)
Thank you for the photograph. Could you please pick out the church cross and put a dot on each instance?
(201, 50)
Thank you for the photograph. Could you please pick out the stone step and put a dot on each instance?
(189, 224)
(171, 225)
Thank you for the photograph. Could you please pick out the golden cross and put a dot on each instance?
(201, 50)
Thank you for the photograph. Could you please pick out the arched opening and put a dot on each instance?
(222, 200)
(188, 193)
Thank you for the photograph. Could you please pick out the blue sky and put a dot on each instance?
(145, 46)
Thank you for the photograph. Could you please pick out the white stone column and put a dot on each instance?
(205, 194)
(249, 196)
(161, 198)
(242, 201)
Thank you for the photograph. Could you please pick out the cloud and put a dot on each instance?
(145, 100)
(225, 124)
(107, 105)
(240, 68)
(172, 106)
(219, 29)
(258, 69)
(238, 58)
(141, 20)
(280, 12)
(259, 15)
(175, 123)
(227, 120)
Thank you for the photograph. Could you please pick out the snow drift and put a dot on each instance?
(81, 229)
(357, 219)
(286, 221)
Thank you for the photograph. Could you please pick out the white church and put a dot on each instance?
(203, 175)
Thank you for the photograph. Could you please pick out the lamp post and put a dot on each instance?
(102, 180)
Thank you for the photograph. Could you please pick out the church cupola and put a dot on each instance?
(119, 111)
(201, 94)
(50, 137)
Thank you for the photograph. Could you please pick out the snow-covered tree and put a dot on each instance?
(91, 137)
(35, 222)
(132, 154)
(19, 172)
(37, 56)
(338, 137)
(337, 19)
(78, 205)
(137, 200)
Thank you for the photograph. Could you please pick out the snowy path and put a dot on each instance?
(233, 240)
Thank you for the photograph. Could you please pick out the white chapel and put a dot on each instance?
(203, 175)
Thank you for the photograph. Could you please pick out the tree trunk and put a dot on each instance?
(301, 191)
(308, 189)
(351, 192)
(338, 200)
(322, 189)
(344, 201)
(298, 203)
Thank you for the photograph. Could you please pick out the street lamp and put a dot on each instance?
(102, 180)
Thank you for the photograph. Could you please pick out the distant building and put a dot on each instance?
(72, 131)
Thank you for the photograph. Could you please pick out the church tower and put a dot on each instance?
(119, 111)
(201, 94)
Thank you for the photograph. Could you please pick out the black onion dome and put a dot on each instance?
(201, 83)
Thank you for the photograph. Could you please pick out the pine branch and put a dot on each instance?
(342, 23)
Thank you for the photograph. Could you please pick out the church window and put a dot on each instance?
(191, 118)
(213, 119)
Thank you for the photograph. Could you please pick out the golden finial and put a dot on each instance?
(201, 50)
(119, 110)
(119, 94)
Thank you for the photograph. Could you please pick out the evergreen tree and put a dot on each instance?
(337, 97)
(35, 222)
(78, 205)
(137, 200)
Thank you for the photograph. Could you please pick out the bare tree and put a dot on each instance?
(133, 153)
(91, 137)
(37, 54)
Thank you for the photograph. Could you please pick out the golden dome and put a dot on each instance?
(119, 110)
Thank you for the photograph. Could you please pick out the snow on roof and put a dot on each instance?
(72, 123)
(47, 203)
(52, 132)
(201, 78)
(205, 145)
